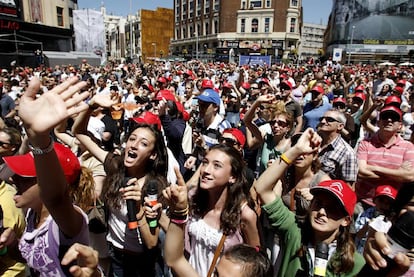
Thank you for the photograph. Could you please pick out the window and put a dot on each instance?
(207, 27)
(294, 3)
(255, 3)
(268, 3)
(243, 6)
(216, 5)
(59, 13)
(70, 12)
(255, 25)
(243, 25)
(292, 25)
(216, 27)
(267, 25)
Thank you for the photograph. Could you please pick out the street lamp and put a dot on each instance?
(351, 46)
(155, 49)
(196, 35)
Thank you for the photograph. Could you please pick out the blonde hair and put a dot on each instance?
(83, 192)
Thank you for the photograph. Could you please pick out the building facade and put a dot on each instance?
(28, 27)
(141, 37)
(218, 29)
(312, 39)
(371, 30)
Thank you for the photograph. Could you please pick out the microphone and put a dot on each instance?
(321, 259)
(152, 194)
(4, 250)
(132, 210)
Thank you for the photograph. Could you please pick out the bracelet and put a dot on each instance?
(42, 151)
(142, 224)
(179, 221)
(183, 211)
(285, 159)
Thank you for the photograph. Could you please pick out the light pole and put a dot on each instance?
(130, 30)
(352, 41)
(196, 35)
(155, 50)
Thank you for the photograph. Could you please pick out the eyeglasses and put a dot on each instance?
(254, 87)
(228, 141)
(281, 123)
(389, 116)
(329, 119)
(2, 143)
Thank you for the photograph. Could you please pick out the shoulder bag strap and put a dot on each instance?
(216, 255)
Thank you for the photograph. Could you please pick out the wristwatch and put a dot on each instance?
(42, 151)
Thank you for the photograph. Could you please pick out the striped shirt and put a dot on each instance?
(375, 153)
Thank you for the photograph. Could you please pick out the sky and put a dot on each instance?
(314, 11)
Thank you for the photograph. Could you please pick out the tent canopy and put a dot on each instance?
(54, 58)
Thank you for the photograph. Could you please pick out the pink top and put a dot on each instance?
(375, 153)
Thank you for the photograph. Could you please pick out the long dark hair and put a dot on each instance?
(230, 218)
(116, 172)
(343, 259)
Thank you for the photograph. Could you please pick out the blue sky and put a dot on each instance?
(315, 11)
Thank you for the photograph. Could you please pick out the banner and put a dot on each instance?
(255, 60)
(89, 31)
(337, 55)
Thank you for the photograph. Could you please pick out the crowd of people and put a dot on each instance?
(206, 169)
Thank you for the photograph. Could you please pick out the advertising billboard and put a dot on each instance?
(9, 8)
(372, 22)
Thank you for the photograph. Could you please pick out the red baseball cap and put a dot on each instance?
(401, 82)
(318, 89)
(391, 108)
(165, 94)
(341, 191)
(162, 80)
(148, 118)
(386, 190)
(339, 100)
(286, 83)
(24, 165)
(360, 88)
(227, 85)
(399, 90)
(392, 99)
(206, 83)
(246, 85)
(360, 95)
(240, 137)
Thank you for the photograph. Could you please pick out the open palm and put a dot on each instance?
(41, 114)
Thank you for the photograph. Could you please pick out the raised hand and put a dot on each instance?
(105, 100)
(308, 142)
(41, 114)
(86, 258)
(177, 194)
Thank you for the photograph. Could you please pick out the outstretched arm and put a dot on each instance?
(308, 142)
(40, 115)
(174, 240)
(80, 125)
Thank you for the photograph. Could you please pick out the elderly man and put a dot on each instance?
(385, 158)
(337, 157)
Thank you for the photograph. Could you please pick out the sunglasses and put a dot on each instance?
(339, 106)
(2, 143)
(329, 119)
(281, 123)
(228, 141)
(390, 116)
